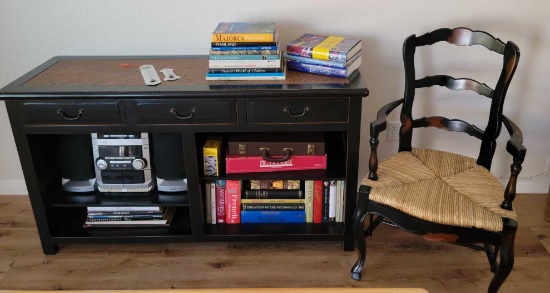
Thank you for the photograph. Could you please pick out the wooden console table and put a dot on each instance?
(114, 99)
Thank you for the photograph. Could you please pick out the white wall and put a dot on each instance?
(32, 31)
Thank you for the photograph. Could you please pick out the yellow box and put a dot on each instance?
(211, 153)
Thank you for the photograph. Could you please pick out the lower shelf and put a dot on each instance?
(70, 229)
(309, 230)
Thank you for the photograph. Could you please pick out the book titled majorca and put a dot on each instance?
(244, 32)
(324, 47)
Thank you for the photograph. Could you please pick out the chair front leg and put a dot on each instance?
(506, 258)
(359, 231)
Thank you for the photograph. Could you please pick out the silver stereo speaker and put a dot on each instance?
(122, 162)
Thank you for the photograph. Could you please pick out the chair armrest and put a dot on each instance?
(380, 123)
(377, 126)
(517, 150)
(515, 144)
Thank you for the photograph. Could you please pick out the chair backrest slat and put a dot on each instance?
(455, 84)
(460, 37)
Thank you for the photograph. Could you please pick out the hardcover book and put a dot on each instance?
(220, 201)
(247, 52)
(232, 201)
(244, 56)
(274, 184)
(244, 32)
(317, 201)
(328, 63)
(273, 193)
(323, 70)
(324, 47)
(273, 217)
(273, 207)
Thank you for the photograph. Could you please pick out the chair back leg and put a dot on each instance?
(506, 258)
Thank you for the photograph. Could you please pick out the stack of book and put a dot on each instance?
(273, 201)
(326, 55)
(129, 216)
(245, 51)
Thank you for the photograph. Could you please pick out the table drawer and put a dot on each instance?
(191, 111)
(68, 112)
(297, 110)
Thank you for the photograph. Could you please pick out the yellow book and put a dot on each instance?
(211, 154)
(244, 32)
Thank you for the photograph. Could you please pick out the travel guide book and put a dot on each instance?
(324, 47)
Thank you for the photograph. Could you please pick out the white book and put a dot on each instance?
(208, 201)
(309, 200)
(124, 208)
(247, 78)
(244, 63)
(213, 202)
(332, 201)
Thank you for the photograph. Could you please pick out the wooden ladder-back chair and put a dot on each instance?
(440, 195)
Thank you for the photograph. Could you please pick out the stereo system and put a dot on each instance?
(121, 163)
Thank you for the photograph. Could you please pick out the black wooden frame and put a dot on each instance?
(493, 243)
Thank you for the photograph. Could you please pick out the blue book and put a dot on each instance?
(244, 57)
(338, 64)
(267, 217)
(323, 70)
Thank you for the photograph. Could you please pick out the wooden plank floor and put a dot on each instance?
(394, 259)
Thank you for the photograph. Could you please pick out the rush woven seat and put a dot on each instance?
(440, 187)
(442, 195)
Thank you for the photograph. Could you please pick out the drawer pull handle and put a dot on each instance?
(175, 112)
(67, 117)
(288, 110)
(266, 157)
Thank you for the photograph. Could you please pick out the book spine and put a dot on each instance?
(316, 69)
(213, 202)
(273, 217)
(244, 52)
(228, 77)
(244, 70)
(228, 37)
(220, 201)
(326, 197)
(336, 64)
(309, 200)
(98, 218)
(208, 201)
(123, 208)
(273, 193)
(244, 57)
(243, 44)
(332, 201)
(310, 52)
(274, 184)
(232, 201)
(244, 63)
(245, 48)
(317, 201)
(272, 201)
(120, 213)
(273, 207)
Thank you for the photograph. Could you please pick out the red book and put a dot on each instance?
(251, 164)
(232, 201)
(220, 201)
(318, 201)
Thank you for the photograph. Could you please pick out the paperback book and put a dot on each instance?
(244, 32)
(324, 47)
